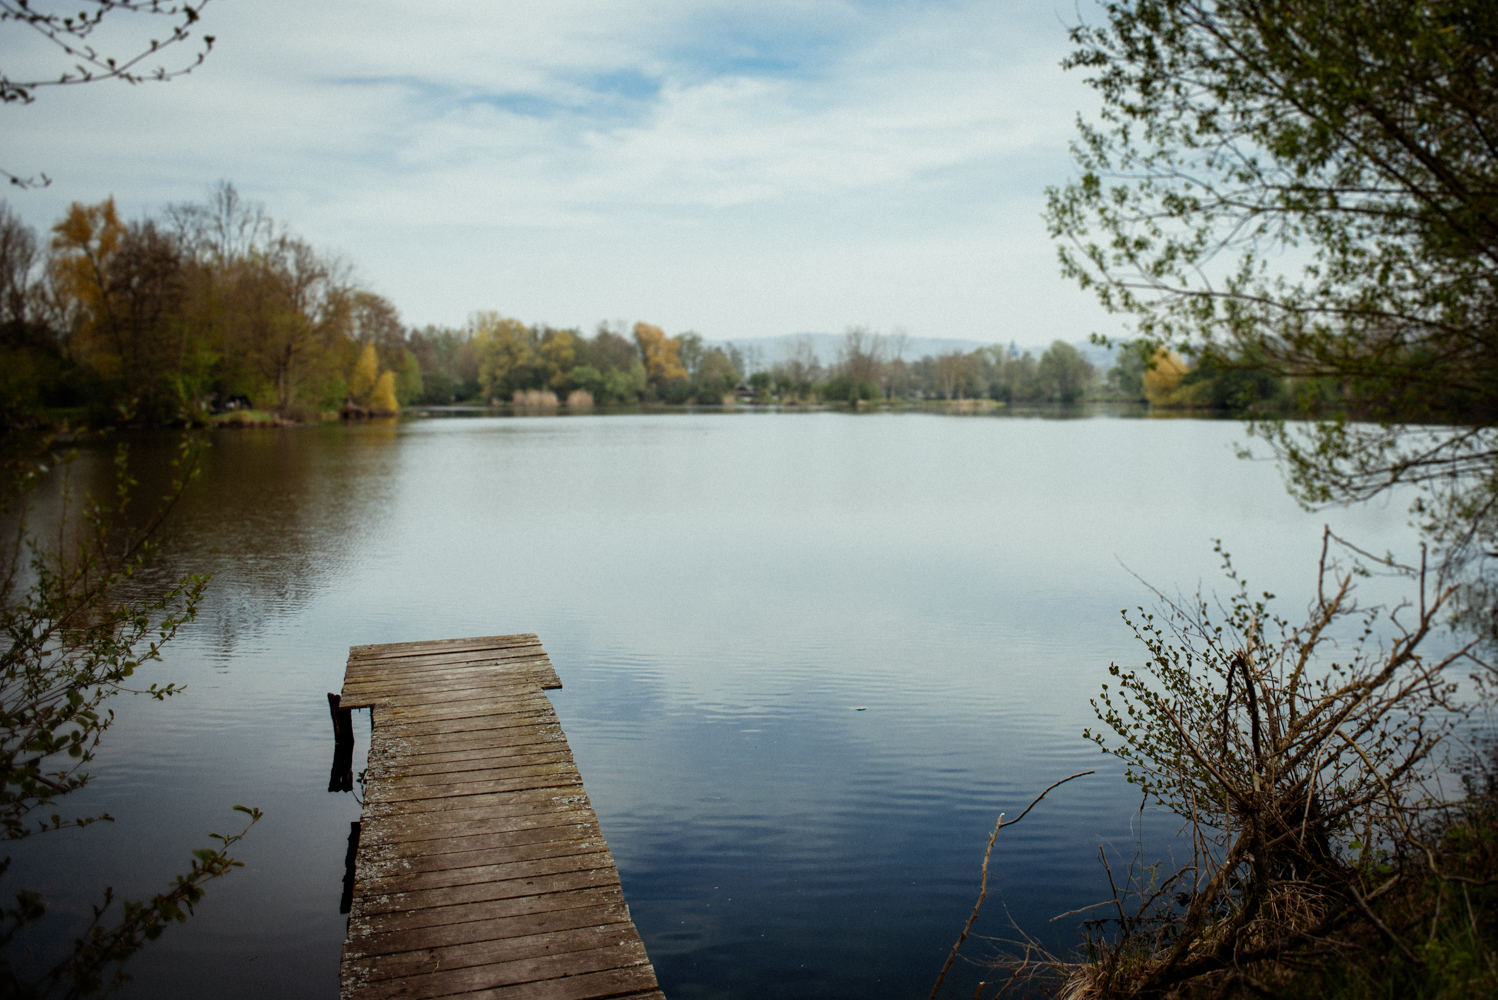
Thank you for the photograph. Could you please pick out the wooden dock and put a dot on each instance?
(481, 870)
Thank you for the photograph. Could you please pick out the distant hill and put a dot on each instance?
(764, 352)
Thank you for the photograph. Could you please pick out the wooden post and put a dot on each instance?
(346, 901)
(343, 721)
(341, 778)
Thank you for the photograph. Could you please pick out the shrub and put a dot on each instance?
(535, 399)
(1295, 755)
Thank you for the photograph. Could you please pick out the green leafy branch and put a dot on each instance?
(96, 963)
(70, 647)
(73, 639)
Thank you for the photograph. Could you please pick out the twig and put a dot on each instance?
(1382, 927)
(972, 917)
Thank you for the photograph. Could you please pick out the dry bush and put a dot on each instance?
(579, 399)
(1296, 755)
(535, 399)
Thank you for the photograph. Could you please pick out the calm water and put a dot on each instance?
(808, 658)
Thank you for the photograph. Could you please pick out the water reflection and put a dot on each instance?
(277, 515)
(272, 515)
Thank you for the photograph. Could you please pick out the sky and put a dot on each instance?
(736, 168)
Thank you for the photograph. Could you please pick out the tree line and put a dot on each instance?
(209, 305)
(214, 306)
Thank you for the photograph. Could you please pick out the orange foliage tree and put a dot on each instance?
(661, 355)
(123, 291)
(1162, 377)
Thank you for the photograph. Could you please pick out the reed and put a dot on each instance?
(535, 399)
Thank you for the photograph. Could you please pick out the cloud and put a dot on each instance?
(742, 168)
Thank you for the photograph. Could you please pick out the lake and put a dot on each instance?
(808, 659)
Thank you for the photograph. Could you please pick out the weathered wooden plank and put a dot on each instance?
(433, 645)
(450, 703)
(415, 853)
(461, 772)
(443, 688)
(504, 671)
(611, 956)
(447, 681)
(433, 827)
(451, 935)
(615, 984)
(428, 647)
(508, 780)
(414, 727)
(519, 736)
(481, 870)
(451, 860)
(387, 930)
(519, 674)
(372, 663)
(452, 767)
(491, 658)
(485, 958)
(482, 807)
(505, 663)
(525, 675)
(417, 738)
(550, 863)
(534, 885)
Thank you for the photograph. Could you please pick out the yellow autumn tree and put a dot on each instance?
(1163, 377)
(382, 399)
(122, 290)
(84, 245)
(361, 383)
(559, 353)
(503, 348)
(661, 354)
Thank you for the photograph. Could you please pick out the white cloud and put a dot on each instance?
(743, 169)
